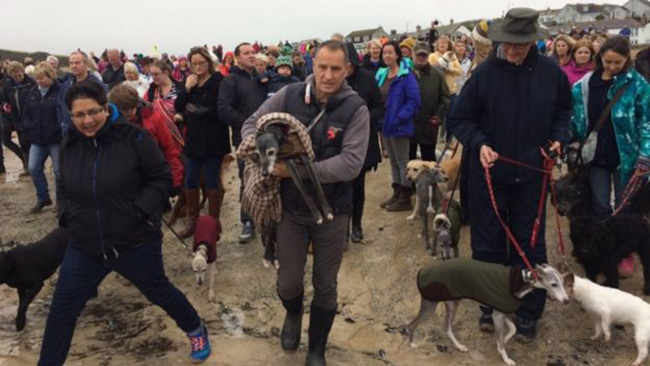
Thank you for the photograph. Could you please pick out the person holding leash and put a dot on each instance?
(533, 109)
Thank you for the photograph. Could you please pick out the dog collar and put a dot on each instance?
(527, 276)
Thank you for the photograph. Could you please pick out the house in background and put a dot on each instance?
(638, 8)
(579, 13)
(548, 16)
(360, 37)
(640, 34)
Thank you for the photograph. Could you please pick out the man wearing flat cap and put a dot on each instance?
(514, 103)
(434, 94)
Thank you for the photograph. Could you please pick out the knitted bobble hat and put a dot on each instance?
(283, 61)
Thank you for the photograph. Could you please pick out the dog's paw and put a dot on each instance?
(276, 263)
(594, 337)
(462, 348)
(411, 217)
(413, 345)
(510, 362)
(266, 263)
(211, 296)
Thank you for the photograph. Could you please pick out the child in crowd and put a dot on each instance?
(284, 77)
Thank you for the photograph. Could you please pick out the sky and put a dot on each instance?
(61, 26)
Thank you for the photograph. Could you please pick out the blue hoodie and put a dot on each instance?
(402, 104)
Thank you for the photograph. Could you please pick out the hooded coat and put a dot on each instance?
(630, 117)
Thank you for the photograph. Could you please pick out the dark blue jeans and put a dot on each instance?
(79, 277)
(517, 205)
(211, 167)
(601, 180)
(37, 156)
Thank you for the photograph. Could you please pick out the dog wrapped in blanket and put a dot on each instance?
(280, 136)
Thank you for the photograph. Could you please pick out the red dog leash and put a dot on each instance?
(547, 171)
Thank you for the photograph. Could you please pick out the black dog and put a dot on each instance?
(26, 268)
(600, 246)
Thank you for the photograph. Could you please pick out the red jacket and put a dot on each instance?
(154, 123)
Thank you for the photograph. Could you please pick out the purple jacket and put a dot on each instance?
(575, 72)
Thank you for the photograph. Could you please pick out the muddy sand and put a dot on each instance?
(377, 295)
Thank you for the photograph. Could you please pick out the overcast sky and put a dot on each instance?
(60, 26)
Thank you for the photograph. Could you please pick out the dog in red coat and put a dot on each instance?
(206, 236)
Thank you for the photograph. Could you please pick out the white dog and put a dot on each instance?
(612, 306)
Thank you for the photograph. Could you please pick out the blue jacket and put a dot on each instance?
(42, 115)
(513, 109)
(402, 104)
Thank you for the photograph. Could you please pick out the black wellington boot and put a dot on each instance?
(320, 324)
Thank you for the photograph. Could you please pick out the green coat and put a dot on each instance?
(434, 97)
(630, 117)
(490, 284)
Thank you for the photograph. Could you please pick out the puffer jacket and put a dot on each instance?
(630, 117)
(42, 115)
(16, 96)
(402, 104)
(575, 72)
(114, 187)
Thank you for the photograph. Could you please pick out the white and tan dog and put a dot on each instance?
(204, 247)
(609, 306)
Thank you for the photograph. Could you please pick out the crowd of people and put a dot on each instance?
(505, 89)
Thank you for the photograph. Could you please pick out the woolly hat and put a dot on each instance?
(284, 61)
(479, 34)
(286, 50)
(408, 43)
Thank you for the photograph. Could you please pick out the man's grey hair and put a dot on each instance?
(338, 37)
(52, 58)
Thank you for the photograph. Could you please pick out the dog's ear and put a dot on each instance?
(569, 280)
(562, 267)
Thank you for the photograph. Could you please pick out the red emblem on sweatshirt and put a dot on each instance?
(332, 132)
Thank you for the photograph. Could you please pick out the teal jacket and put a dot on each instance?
(630, 116)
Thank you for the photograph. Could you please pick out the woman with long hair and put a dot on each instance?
(582, 61)
(401, 95)
(207, 138)
(623, 143)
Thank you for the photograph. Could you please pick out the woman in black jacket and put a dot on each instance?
(12, 100)
(42, 125)
(363, 82)
(207, 139)
(115, 183)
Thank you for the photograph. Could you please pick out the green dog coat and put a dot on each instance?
(492, 285)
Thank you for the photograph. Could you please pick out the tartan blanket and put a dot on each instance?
(261, 199)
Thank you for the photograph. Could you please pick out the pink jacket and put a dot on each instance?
(575, 72)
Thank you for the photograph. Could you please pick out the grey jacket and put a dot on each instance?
(342, 167)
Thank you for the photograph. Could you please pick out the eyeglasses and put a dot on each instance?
(93, 113)
(517, 46)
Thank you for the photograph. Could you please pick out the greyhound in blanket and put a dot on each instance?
(279, 137)
(493, 285)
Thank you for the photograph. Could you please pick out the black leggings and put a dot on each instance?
(427, 152)
(358, 197)
(22, 151)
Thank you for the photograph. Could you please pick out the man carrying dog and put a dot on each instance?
(240, 95)
(339, 134)
(514, 103)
